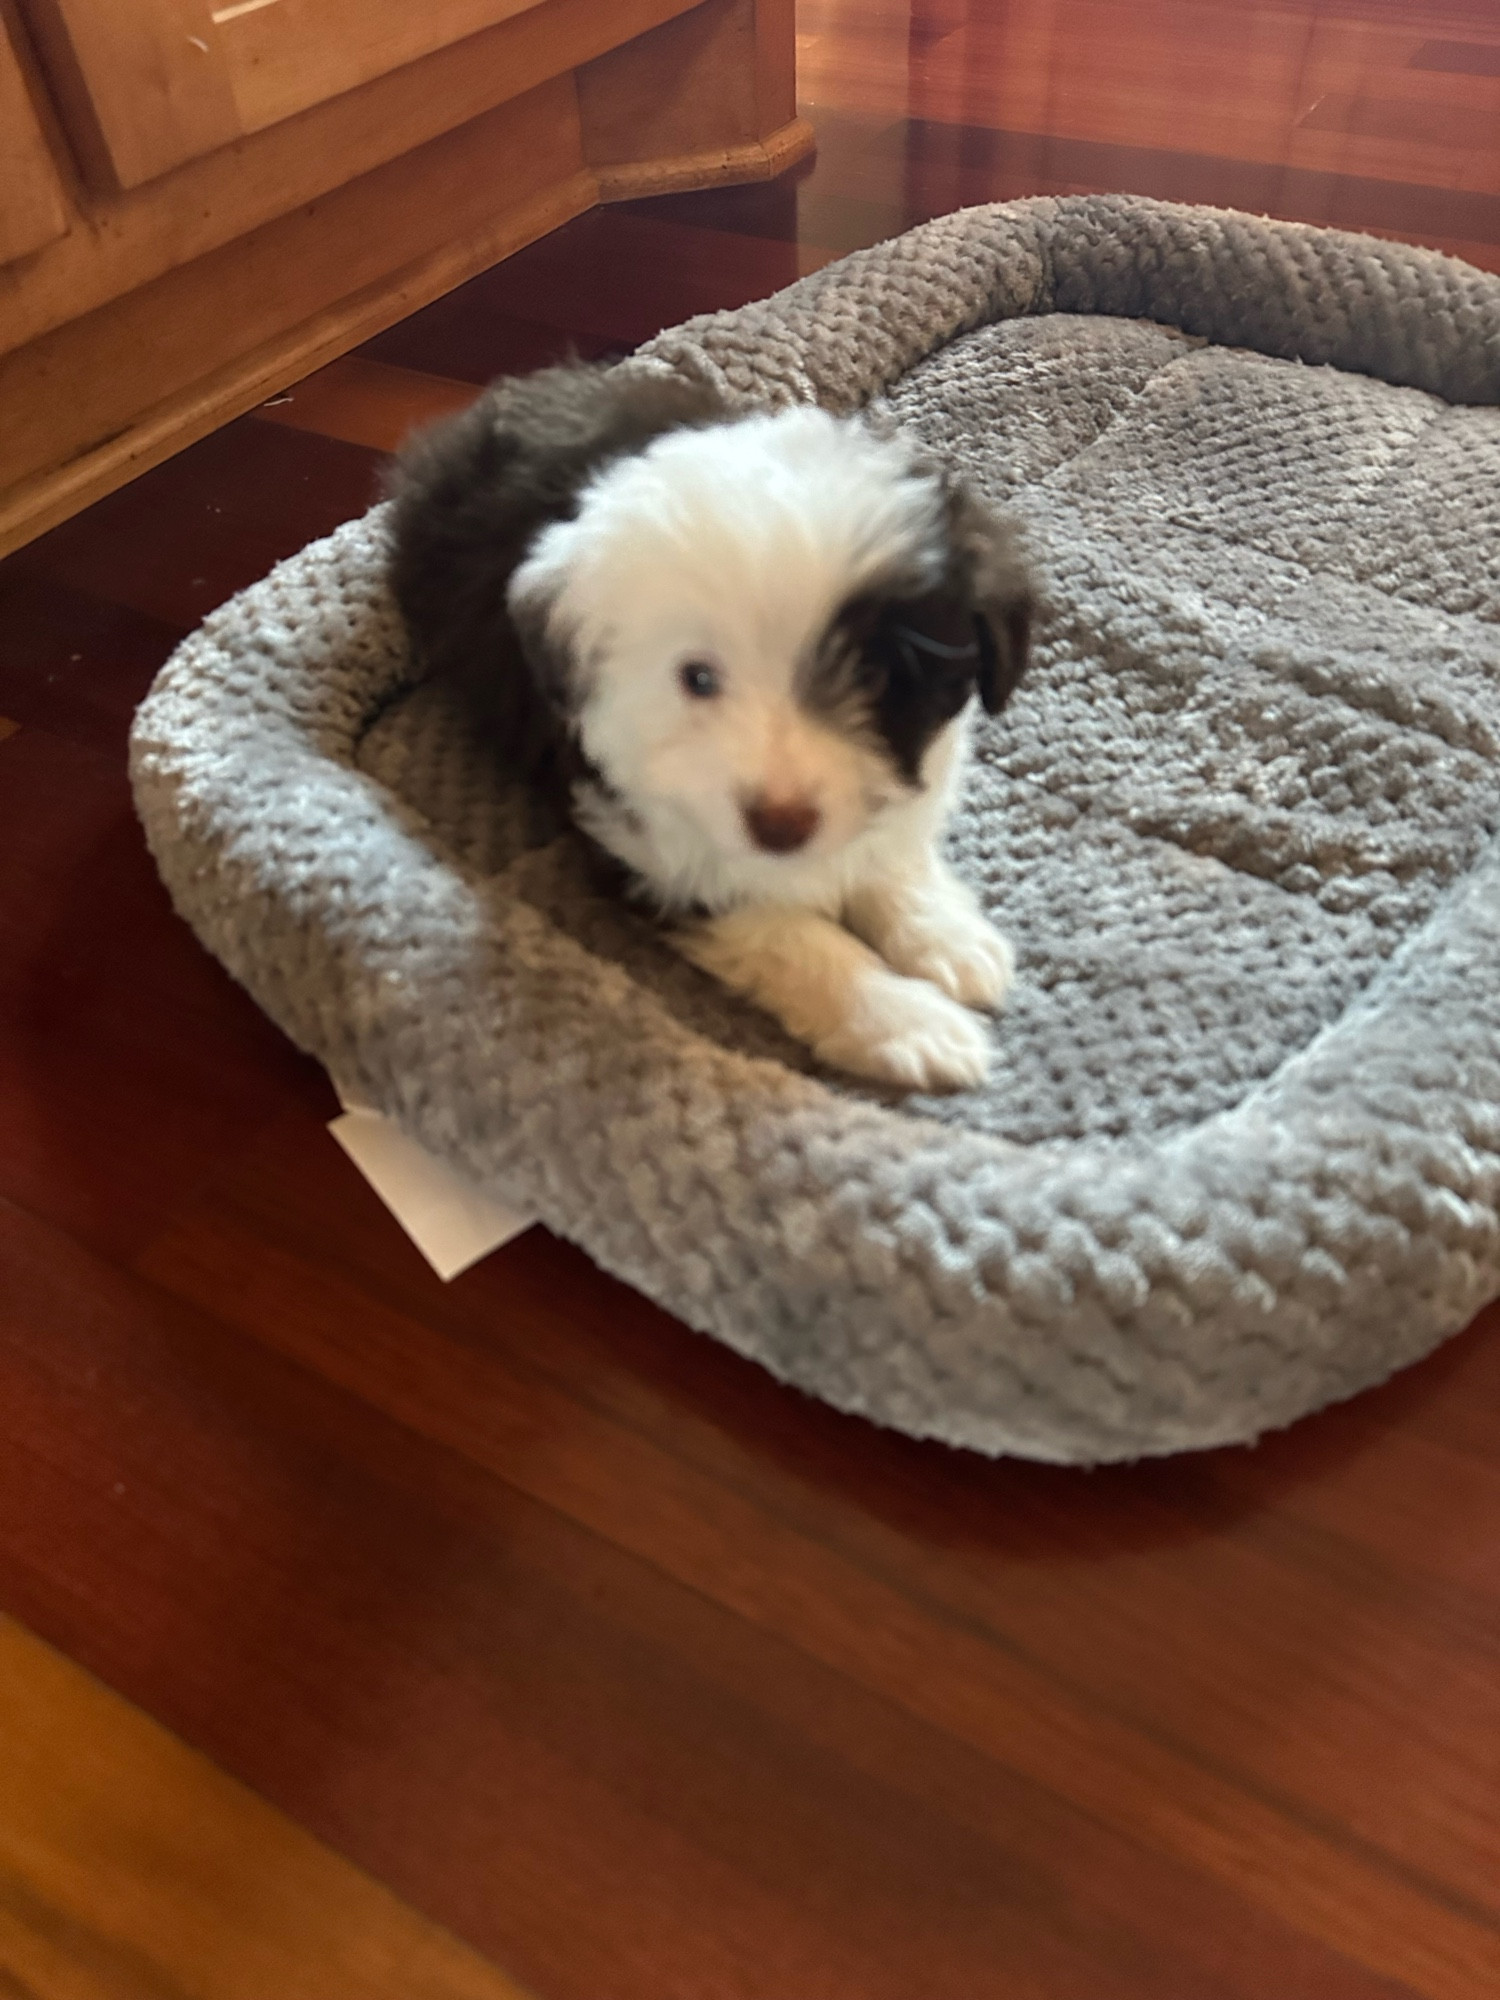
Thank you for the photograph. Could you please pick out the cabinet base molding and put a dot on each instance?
(755, 160)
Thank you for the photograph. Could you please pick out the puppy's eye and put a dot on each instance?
(700, 680)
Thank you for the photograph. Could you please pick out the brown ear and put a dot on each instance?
(989, 567)
(1004, 649)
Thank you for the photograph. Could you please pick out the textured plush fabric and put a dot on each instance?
(1241, 1151)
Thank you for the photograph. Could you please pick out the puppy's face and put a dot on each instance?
(764, 632)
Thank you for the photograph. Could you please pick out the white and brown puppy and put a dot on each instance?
(747, 648)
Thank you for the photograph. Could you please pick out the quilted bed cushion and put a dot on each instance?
(1238, 1156)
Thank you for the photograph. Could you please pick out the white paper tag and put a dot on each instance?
(451, 1223)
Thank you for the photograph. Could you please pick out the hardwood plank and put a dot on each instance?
(511, 1717)
(1477, 15)
(948, 166)
(875, 177)
(192, 531)
(616, 279)
(132, 1869)
(73, 664)
(463, 338)
(1435, 121)
(122, 1042)
(131, 1067)
(363, 401)
(1116, 1728)
(1157, 74)
(1459, 58)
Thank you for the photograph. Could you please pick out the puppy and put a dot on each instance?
(745, 649)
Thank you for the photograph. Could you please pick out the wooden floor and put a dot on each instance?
(507, 1637)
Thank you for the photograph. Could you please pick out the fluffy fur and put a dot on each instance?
(745, 649)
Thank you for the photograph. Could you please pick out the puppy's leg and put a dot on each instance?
(925, 922)
(831, 992)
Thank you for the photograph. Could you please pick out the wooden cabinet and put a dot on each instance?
(218, 198)
(148, 84)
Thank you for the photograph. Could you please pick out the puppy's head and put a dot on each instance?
(472, 493)
(763, 632)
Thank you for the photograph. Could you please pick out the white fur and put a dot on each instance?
(736, 546)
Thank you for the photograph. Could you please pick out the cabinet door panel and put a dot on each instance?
(148, 84)
(32, 208)
(142, 84)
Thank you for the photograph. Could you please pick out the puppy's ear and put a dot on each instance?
(472, 494)
(1004, 651)
(990, 576)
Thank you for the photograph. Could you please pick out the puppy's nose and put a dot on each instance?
(781, 826)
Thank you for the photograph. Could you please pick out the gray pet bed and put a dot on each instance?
(1239, 1154)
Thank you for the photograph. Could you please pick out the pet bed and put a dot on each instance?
(1240, 1154)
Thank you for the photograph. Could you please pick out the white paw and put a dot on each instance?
(905, 1032)
(958, 951)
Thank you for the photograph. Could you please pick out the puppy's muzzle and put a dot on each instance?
(781, 826)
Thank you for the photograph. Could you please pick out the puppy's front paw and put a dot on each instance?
(903, 1031)
(958, 950)
(929, 926)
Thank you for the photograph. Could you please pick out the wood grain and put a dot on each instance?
(1068, 68)
(143, 83)
(1459, 58)
(704, 98)
(222, 308)
(584, 286)
(91, 968)
(453, 338)
(174, 544)
(32, 209)
(75, 664)
(115, 392)
(361, 401)
(708, 166)
(285, 58)
(1149, 1749)
(113, 249)
(131, 1869)
(451, 1680)
(945, 166)
(154, 84)
(643, 1676)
